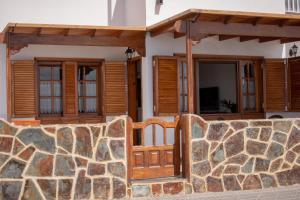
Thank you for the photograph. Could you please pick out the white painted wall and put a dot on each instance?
(171, 7)
(3, 111)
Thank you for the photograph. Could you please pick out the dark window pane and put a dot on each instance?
(80, 89)
(252, 71)
(80, 105)
(57, 73)
(90, 73)
(45, 73)
(45, 106)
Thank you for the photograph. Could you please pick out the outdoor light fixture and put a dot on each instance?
(293, 51)
(129, 53)
(160, 2)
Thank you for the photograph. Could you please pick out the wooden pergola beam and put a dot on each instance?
(21, 40)
(247, 38)
(238, 29)
(266, 39)
(226, 37)
(173, 27)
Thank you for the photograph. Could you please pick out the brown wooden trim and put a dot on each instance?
(53, 59)
(211, 57)
(233, 116)
(129, 145)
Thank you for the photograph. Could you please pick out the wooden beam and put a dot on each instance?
(66, 32)
(226, 37)
(247, 38)
(239, 29)
(22, 40)
(227, 19)
(2, 37)
(178, 35)
(168, 28)
(288, 40)
(190, 73)
(266, 39)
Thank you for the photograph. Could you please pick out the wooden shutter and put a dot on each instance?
(165, 86)
(294, 83)
(23, 89)
(70, 89)
(115, 88)
(275, 82)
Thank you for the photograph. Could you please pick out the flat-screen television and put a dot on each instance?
(209, 100)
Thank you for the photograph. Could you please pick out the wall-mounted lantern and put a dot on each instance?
(293, 51)
(129, 53)
(159, 2)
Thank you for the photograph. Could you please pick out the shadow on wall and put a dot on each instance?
(157, 7)
(116, 12)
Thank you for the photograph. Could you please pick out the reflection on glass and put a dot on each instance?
(57, 89)
(252, 71)
(45, 106)
(57, 105)
(245, 86)
(90, 74)
(80, 89)
(251, 86)
(91, 89)
(57, 75)
(91, 105)
(45, 88)
(252, 102)
(45, 73)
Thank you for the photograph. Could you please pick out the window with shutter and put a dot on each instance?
(115, 85)
(23, 89)
(275, 84)
(294, 82)
(166, 86)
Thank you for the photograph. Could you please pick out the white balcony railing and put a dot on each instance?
(292, 6)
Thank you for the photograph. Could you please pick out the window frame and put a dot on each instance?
(99, 116)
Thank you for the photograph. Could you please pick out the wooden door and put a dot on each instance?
(154, 160)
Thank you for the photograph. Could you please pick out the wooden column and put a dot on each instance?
(8, 80)
(190, 73)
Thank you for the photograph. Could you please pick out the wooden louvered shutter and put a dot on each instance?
(70, 89)
(275, 82)
(115, 88)
(165, 86)
(294, 82)
(23, 89)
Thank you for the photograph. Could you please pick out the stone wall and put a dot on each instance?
(63, 162)
(243, 155)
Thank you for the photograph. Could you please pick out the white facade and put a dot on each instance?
(130, 13)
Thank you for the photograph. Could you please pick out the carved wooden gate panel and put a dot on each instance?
(154, 159)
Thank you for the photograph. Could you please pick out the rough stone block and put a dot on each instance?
(256, 148)
(38, 138)
(65, 166)
(156, 189)
(252, 133)
(268, 181)
(283, 126)
(83, 142)
(117, 148)
(198, 185)
(48, 188)
(102, 153)
(65, 139)
(41, 165)
(262, 165)
(27, 153)
(217, 156)
(116, 129)
(202, 169)
(274, 151)
(119, 189)
(101, 187)
(252, 182)
(140, 191)
(95, 169)
(6, 144)
(235, 144)
(294, 138)
(83, 186)
(231, 183)
(200, 150)
(238, 125)
(12, 169)
(217, 131)
(265, 134)
(173, 188)
(10, 190)
(199, 127)
(117, 169)
(31, 192)
(214, 184)
(65, 189)
(7, 129)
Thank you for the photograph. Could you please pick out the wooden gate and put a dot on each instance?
(154, 160)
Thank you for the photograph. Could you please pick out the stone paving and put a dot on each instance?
(281, 193)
